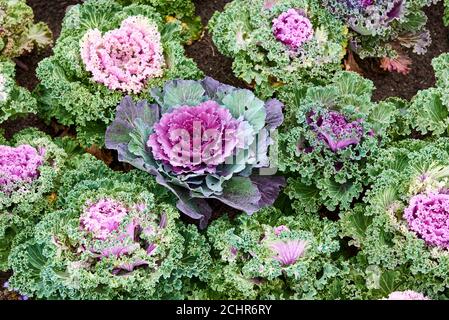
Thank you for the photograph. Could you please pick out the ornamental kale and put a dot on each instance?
(105, 51)
(14, 100)
(110, 238)
(272, 256)
(402, 230)
(202, 140)
(382, 28)
(279, 42)
(429, 109)
(330, 133)
(30, 165)
(18, 33)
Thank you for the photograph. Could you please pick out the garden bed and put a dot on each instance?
(219, 67)
(214, 64)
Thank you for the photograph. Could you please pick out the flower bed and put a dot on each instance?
(285, 178)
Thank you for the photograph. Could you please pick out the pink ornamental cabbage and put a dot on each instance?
(195, 139)
(293, 29)
(336, 131)
(103, 217)
(428, 217)
(125, 58)
(406, 295)
(288, 252)
(19, 164)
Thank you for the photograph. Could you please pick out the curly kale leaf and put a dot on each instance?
(14, 100)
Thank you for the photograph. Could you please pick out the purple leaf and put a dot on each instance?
(269, 188)
(275, 116)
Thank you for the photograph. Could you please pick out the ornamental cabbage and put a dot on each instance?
(14, 100)
(30, 165)
(330, 133)
(124, 58)
(110, 237)
(272, 256)
(104, 52)
(18, 33)
(202, 140)
(402, 228)
(429, 109)
(279, 42)
(382, 28)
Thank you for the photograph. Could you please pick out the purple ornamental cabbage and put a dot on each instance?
(368, 17)
(428, 217)
(202, 140)
(293, 29)
(215, 123)
(19, 165)
(335, 131)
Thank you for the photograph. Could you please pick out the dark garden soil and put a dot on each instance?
(219, 67)
(204, 51)
(421, 75)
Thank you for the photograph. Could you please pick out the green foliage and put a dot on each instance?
(429, 109)
(243, 31)
(19, 34)
(14, 100)
(320, 175)
(22, 208)
(66, 91)
(178, 8)
(446, 12)
(244, 264)
(396, 257)
(59, 261)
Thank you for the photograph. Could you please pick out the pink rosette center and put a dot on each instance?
(103, 217)
(289, 251)
(407, 295)
(195, 139)
(125, 58)
(292, 29)
(428, 217)
(17, 165)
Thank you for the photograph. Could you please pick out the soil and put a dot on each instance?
(421, 75)
(219, 67)
(204, 51)
(4, 293)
